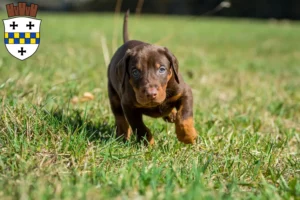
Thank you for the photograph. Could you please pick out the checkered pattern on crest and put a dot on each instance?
(21, 38)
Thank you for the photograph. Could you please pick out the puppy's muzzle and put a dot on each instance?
(151, 92)
(151, 95)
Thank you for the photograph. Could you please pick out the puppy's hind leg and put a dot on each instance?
(123, 129)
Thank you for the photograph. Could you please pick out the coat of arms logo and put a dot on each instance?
(22, 30)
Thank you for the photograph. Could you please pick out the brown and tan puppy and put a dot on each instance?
(143, 79)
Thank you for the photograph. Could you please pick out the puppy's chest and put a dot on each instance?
(159, 111)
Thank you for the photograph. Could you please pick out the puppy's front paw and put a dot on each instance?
(171, 117)
(186, 131)
(150, 141)
(145, 136)
(123, 130)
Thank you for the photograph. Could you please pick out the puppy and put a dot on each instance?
(143, 79)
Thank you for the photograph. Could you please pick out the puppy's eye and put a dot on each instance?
(135, 73)
(162, 70)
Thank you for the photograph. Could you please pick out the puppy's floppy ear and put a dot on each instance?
(174, 63)
(122, 68)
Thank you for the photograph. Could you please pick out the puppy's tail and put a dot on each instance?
(125, 29)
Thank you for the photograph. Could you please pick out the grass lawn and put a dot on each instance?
(245, 77)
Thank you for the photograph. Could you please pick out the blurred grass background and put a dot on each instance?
(245, 80)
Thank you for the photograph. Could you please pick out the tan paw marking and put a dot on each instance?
(186, 131)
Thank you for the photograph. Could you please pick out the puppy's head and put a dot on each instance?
(149, 69)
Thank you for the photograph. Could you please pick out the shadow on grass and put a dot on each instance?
(72, 121)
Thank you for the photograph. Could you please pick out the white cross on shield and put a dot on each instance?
(22, 36)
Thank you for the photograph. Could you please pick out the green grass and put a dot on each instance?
(246, 85)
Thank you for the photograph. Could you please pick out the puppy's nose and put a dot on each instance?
(151, 93)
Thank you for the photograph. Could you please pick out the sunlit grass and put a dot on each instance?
(245, 80)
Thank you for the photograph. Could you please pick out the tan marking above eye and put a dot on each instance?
(138, 66)
(157, 65)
